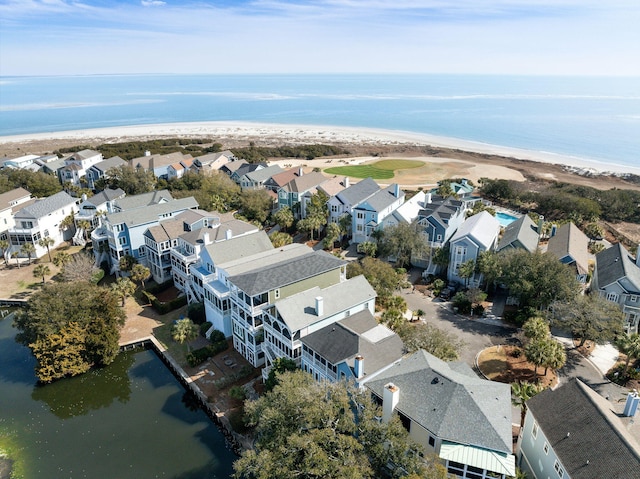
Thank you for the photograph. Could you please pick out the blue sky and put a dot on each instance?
(583, 37)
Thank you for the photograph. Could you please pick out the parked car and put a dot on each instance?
(448, 292)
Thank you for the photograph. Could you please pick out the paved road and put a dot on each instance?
(478, 334)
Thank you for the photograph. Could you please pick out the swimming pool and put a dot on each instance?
(505, 219)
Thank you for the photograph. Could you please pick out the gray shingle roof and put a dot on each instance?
(113, 162)
(10, 196)
(570, 241)
(287, 272)
(441, 209)
(597, 434)
(106, 195)
(298, 311)
(46, 206)
(347, 338)
(360, 191)
(240, 247)
(382, 198)
(140, 216)
(303, 183)
(614, 264)
(522, 233)
(144, 199)
(482, 227)
(455, 406)
(263, 174)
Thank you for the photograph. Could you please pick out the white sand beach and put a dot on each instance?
(271, 133)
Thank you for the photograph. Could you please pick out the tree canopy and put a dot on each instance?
(308, 429)
(70, 327)
(381, 275)
(402, 242)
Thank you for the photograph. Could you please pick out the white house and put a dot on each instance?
(76, 166)
(9, 202)
(42, 219)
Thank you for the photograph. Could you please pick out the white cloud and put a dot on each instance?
(152, 3)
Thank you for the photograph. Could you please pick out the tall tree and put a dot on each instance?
(629, 345)
(61, 259)
(536, 328)
(279, 239)
(40, 271)
(488, 264)
(51, 316)
(589, 317)
(466, 270)
(308, 429)
(381, 275)
(538, 279)
(47, 242)
(537, 351)
(331, 236)
(28, 249)
(184, 330)
(436, 341)
(85, 226)
(556, 356)
(284, 218)
(80, 267)
(139, 273)
(256, 205)
(4, 246)
(521, 392)
(123, 288)
(402, 242)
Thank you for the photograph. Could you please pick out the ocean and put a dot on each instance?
(591, 118)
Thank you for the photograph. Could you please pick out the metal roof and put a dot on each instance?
(478, 457)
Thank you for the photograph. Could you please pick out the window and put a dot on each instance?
(558, 467)
(432, 441)
(534, 430)
(122, 240)
(613, 297)
(276, 294)
(546, 448)
(633, 298)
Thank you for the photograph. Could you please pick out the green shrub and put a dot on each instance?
(462, 302)
(217, 336)
(238, 392)
(196, 313)
(204, 327)
(438, 286)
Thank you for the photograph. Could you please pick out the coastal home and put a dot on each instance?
(158, 164)
(301, 314)
(571, 247)
(256, 283)
(291, 194)
(179, 169)
(440, 218)
(142, 200)
(208, 278)
(573, 432)
(123, 231)
(369, 215)
(99, 170)
(92, 209)
(329, 187)
(42, 219)
(520, 234)
(342, 203)
(229, 168)
(188, 256)
(451, 412)
(244, 168)
(617, 278)
(212, 162)
(460, 189)
(477, 234)
(19, 162)
(354, 349)
(256, 179)
(76, 166)
(9, 202)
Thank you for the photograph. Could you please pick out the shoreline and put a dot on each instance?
(300, 134)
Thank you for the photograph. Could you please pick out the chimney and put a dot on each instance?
(346, 182)
(540, 224)
(147, 153)
(390, 399)
(427, 199)
(396, 190)
(228, 234)
(319, 306)
(300, 171)
(359, 366)
(554, 228)
(631, 406)
(206, 239)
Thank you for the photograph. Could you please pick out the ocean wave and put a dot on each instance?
(234, 95)
(56, 106)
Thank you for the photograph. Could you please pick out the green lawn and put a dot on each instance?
(380, 170)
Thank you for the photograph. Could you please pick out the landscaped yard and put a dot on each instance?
(504, 364)
(380, 170)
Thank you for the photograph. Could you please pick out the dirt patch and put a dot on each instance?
(507, 364)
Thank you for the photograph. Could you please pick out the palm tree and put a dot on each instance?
(67, 222)
(4, 246)
(419, 314)
(85, 226)
(61, 259)
(28, 249)
(47, 242)
(15, 255)
(184, 330)
(123, 287)
(41, 270)
(139, 273)
(556, 356)
(466, 270)
(537, 351)
(629, 344)
(521, 392)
